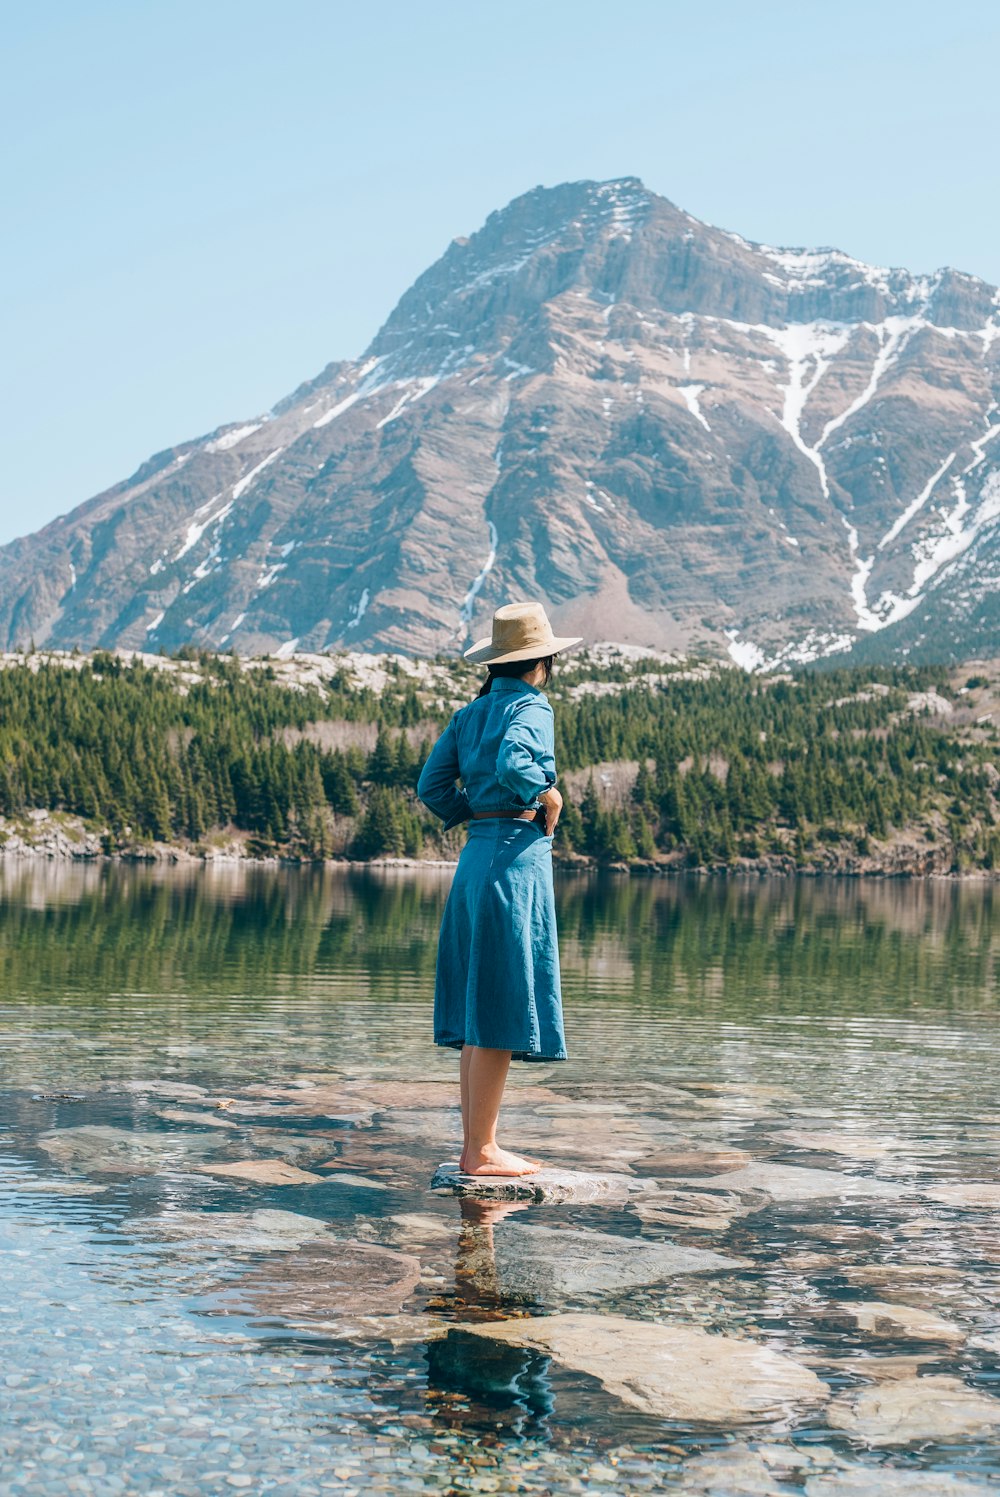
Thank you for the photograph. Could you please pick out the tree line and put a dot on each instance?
(724, 766)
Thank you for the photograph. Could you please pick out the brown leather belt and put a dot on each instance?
(510, 815)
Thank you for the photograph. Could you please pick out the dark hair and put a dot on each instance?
(514, 669)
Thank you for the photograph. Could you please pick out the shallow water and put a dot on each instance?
(165, 1331)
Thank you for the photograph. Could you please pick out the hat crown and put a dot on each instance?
(521, 626)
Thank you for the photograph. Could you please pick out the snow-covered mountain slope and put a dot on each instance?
(675, 437)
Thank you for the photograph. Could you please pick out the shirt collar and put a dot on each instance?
(513, 683)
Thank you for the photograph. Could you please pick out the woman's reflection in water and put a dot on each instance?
(472, 1381)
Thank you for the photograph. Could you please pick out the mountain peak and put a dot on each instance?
(676, 437)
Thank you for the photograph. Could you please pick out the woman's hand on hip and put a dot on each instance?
(553, 803)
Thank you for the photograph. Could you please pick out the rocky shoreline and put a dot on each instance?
(60, 838)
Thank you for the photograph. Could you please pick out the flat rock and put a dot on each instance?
(883, 1481)
(888, 1369)
(675, 1372)
(708, 1211)
(850, 1145)
(263, 1172)
(34, 1186)
(979, 1194)
(895, 1322)
(810, 1262)
(889, 1275)
(196, 1119)
(525, 1264)
(361, 1182)
(915, 1408)
(248, 1231)
(323, 1282)
(547, 1185)
(791, 1183)
(100, 1149)
(681, 1162)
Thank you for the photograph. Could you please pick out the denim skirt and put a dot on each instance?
(497, 979)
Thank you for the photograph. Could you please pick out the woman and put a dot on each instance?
(497, 991)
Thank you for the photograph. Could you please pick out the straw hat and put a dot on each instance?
(521, 631)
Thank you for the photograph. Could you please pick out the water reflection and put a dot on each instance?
(806, 1069)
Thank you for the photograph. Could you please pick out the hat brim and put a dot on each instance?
(483, 652)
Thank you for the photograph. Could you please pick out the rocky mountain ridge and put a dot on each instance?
(677, 438)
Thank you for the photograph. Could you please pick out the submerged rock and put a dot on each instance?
(980, 1194)
(248, 1231)
(793, 1183)
(681, 1162)
(895, 1322)
(849, 1145)
(704, 1210)
(198, 1119)
(915, 1408)
(323, 1282)
(889, 1275)
(100, 1149)
(520, 1263)
(883, 1481)
(263, 1172)
(547, 1185)
(671, 1371)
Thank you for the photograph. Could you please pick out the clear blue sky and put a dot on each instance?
(206, 202)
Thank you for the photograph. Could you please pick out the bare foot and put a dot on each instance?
(492, 1160)
(464, 1155)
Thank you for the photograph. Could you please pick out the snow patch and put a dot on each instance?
(157, 566)
(268, 575)
(287, 650)
(893, 335)
(747, 656)
(369, 382)
(151, 628)
(196, 529)
(917, 505)
(691, 393)
(232, 438)
(359, 610)
(239, 489)
(859, 582)
(469, 601)
(806, 344)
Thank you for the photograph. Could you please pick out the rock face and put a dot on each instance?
(675, 437)
(670, 1371)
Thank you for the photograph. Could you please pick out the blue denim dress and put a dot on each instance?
(497, 982)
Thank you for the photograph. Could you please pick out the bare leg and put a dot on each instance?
(466, 1060)
(487, 1076)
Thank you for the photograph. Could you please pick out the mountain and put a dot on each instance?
(677, 438)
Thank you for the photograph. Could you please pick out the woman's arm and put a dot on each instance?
(526, 764)
(436, 786)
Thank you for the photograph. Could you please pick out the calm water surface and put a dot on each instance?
(177, 1321)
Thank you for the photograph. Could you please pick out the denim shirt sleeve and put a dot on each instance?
(436, 786)
(526, 762)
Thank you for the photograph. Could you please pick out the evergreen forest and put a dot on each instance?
(861, 769)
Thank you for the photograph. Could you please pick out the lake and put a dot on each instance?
(224, 1270)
